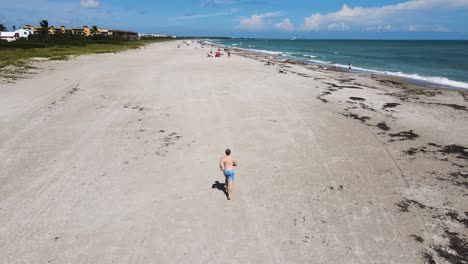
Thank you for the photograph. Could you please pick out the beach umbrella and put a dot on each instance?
(218, 53)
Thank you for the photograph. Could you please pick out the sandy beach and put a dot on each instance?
(113, 158)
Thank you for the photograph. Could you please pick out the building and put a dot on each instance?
(33, 29)
(77, 31)
(84, 31)
(104, 32)
(65, 30)
(156, 36)
(54, 30)
(24, 33)
(128, 35)
(9, 36)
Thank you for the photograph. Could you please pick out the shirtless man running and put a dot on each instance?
(226, 165)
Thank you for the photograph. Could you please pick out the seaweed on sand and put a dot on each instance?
(383, 126)
(405, 135)
(357, 98)
(390, 105)
(363, 119)
(457, 249)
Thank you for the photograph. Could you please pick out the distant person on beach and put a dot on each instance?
(229, 54)
(227, 165)
(349, 67)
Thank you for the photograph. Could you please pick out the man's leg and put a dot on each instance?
(226, 186)
(229, 188)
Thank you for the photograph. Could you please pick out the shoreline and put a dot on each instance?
(331, 67)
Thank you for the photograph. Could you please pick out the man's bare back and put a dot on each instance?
(227, 163)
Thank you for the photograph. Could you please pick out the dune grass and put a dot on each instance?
(10, 56)
(15, 62)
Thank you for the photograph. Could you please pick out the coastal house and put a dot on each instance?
(104, 31)
(156, 36)
(9, 36)
(53, 30)
(128, 35)
(23, 33)
(65, 30)
(77, 31)
(85, 31)
(33, 29)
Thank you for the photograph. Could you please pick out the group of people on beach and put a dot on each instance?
(335, 66)
(218, 53)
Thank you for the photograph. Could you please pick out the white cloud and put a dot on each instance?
(89, 3)
(256, 22)
(379, 28)
(375, 17)
(407, 28)
(312, 23)
(216, 2)
(411, 28)
(285, 25)
(339, 27)
(440, 29)
(188, 17)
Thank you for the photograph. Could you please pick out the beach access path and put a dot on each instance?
(113, 158)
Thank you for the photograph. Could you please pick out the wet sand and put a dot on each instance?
(114, 158)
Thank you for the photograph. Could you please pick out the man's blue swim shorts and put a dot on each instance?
(229, 174)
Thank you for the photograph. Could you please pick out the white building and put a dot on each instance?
(24, 33)
(9, 36)
(156, 35)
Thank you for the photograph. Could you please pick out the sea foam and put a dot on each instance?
(437, 81)
(434, 80)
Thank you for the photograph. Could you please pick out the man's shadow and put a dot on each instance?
(220, 186)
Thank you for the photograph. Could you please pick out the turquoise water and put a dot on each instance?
(440, 63)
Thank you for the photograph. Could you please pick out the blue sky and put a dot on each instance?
(381, 19)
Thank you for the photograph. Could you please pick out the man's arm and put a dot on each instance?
(221, 164)
(234, 163)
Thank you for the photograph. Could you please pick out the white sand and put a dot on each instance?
(121, 169)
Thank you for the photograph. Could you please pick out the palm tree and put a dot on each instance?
(94, 30)
(2, 28)
(45, 29)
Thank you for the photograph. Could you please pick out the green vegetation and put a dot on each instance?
(60, 58)
(94, 30)
(15, 56)
(45, 29)
(15, 70)
(22, 50)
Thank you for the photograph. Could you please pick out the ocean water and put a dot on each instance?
(438, 63)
